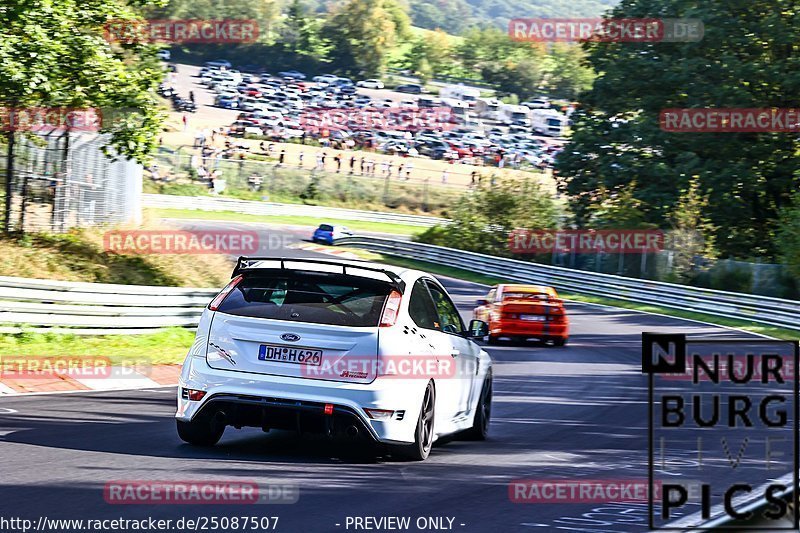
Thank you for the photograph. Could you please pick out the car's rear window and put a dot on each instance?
(319, 298)
(326, 227)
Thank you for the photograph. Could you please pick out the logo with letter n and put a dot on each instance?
(663, 353)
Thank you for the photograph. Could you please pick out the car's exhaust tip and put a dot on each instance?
(352, 431)
(220, 418)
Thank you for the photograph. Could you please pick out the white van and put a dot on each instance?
(549, 122)
(460, 92)
(515, 114)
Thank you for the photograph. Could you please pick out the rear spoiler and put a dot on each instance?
(246, 264)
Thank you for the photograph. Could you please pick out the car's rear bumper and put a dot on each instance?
(530, 329)
(259, 398)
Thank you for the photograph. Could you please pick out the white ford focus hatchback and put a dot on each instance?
(338, 347)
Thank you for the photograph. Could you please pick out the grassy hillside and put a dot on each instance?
(454, 16)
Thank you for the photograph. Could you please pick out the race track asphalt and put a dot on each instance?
(578, 412)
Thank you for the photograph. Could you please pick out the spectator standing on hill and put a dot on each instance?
(409, 168)
(362, 165)
(444, 176)
(338, 160)
(282, 157)
(300, 157)
(352, 163)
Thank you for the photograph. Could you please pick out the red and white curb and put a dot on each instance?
(118, 378)
(328, 250)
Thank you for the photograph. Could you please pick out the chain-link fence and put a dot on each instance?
(61, 181)
(764, 279)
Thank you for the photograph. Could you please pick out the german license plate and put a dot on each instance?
(285, 354)
(532, 318)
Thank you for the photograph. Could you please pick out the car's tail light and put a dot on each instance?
(379, 414)
(391, 309)
(511, 316)
(328, 409)
(219, 298)
(193, 395)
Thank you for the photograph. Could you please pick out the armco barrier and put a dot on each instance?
(93, 308)
(97, 308)
(250, 207)
(760, 309)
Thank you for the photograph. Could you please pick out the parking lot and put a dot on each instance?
(403, 137)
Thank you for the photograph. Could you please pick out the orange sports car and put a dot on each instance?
(522, 312)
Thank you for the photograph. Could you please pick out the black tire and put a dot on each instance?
(202, 431)
(483, 412)
(560, 341)
(423, 436)
(492, 340)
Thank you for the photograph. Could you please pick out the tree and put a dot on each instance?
(485, 218)
(300, 32)
(617, 139)
(55, 54)
(568, 74)
(432, 49)
(362, 33)
(618, 210)
(692, 235)
(523, 78)
(264, 12)
(788, 236)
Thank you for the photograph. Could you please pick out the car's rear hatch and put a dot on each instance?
(315, 325)
(532, 310)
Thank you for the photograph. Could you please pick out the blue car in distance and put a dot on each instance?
(328, 233)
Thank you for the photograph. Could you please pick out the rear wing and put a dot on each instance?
(251, 264)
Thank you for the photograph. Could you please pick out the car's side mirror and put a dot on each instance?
(477, 329)
(481, 301)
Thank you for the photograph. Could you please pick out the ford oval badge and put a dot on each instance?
(290, 337)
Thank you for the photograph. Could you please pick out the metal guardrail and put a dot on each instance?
(93, 308)
(759, 309)
(210, 203)
(96, 308)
